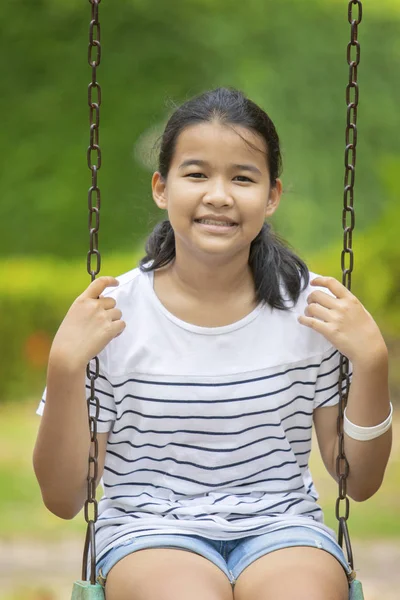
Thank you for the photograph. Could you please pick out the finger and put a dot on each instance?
(118, 327)
(99, 285)
(315, 324)
(316, 311)
(322, 298)
(107, 302)
(115, 314)
(338, 289)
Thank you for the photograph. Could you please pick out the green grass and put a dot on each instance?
(23, 515)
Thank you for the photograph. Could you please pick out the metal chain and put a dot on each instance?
(94, 197)
(352, 99)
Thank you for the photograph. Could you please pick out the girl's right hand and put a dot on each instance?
(89, 325)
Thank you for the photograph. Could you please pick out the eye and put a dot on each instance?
(246, 178)
(243, 177)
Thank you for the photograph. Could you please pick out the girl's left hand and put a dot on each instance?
(344, 322)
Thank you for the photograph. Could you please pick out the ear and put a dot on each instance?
(274, 199)
(158, 186)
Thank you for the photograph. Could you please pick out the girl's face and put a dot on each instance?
(215, 172)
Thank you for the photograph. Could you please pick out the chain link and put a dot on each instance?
(93, 268)
(342, 509)
(93, 151)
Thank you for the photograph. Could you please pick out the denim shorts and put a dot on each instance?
(231, 556)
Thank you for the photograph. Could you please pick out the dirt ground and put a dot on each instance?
(38, 571)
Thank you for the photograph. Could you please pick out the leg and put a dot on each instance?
(167, 574)
(301, 572)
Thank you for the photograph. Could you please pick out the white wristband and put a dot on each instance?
(366, 433)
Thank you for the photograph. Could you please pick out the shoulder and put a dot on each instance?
(308, 341)
(127, 296)
(128, 283)
(308, 289)
(305, 290)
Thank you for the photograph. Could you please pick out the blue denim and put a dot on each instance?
(231, 556)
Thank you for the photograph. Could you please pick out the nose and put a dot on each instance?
(217, 194)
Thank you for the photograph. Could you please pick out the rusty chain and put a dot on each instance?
(93, 256)
(352, 99)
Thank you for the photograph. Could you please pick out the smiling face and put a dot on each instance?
(215, 172)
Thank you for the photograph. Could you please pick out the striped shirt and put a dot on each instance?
(209, 427)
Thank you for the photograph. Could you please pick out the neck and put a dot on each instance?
(216, 280)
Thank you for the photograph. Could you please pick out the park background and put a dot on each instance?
(288, 56)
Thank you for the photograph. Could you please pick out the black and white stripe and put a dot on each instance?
(209, 434)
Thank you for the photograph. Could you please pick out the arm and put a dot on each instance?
(368, 405)
(341, 318)
(61, 452)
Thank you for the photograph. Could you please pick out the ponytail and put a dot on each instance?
(274, 265)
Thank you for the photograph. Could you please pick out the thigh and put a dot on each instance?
(300, 572)
(166, 574)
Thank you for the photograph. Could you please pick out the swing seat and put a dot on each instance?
(84, 590)
(356, 591)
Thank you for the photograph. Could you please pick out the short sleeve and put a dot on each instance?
(104, 392)
(327, 384)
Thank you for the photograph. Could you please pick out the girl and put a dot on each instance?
(226, 355)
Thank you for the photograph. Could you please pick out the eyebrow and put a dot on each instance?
(204, 163)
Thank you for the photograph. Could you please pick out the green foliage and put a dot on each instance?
(289, 56)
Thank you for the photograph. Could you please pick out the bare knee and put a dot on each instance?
(302, 573)
(167, 574)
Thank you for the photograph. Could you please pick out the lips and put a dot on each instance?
(217, 230)
(217, 218)
(215, 223)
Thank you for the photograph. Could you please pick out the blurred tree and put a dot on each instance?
(290, 57)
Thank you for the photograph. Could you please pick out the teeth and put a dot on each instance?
(210, 222)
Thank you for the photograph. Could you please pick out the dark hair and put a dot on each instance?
(270, 257)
